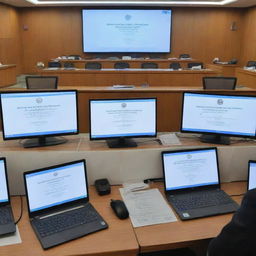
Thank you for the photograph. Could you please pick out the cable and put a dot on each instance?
(153, 180)
(21, 211)
(237, 194)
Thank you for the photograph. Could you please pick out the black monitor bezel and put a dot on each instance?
(7, 182)
(126, 8)
(39, 136)
(59, 206)
(212, 133)
(248, 172)
(117, 137)
(173, 191)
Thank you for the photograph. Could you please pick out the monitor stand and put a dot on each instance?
(121, 143)
(43, 142)
(215, 139)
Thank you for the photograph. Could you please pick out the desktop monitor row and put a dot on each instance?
(41, 115)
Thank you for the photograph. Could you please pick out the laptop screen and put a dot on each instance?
(56, 185)
(191, 168)
(251, 175)
(3, 183)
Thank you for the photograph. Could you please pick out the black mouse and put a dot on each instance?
(119, 208)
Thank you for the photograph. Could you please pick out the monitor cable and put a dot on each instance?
(21, 211)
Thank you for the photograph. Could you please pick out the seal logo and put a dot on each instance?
(220, 101)
(189, 156)
(123, 105)
(39, 100)
(127, 17)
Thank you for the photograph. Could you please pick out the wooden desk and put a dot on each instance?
(223, 69)
(118, 239)
(109, 77)
(246, 77)
(186, 233)
(134, 63)
(7, 75)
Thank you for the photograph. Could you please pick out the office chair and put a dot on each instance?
(184, 56)
(192, 65)
(149, 65)
(217, 82)
(41, 82)
(121, 65)
(54, 64)
(251, 63)
(92, 65)
(175, 65)
(68, 65)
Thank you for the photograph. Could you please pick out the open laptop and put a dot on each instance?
(7, 225)
(58, 203)
(251, 179)
(192, 183)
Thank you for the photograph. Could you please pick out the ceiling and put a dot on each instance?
(196, 3)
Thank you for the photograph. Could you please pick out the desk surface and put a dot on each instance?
(120, 237)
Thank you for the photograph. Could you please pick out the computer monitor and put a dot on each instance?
(217, 115)
(251, 179)
(117, 120)
(39, 116)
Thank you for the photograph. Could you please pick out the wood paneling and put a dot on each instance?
(202, 32)
(246, 77)
(10, 41)
(7, 75)
(249, 36)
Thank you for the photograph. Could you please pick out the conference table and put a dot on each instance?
(131, 76)
(7, 75)
(246, 77)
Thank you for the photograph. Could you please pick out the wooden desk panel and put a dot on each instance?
(109, 77)
(7, 75)
(223, 69)
(118, 239)
(185, 233)
(246, 77)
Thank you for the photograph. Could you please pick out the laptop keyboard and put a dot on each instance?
(5, 216)
(67, 220)
(196, 200)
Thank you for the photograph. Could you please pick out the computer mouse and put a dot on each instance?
(119, 208)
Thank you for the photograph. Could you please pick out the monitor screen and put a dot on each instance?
(190, 168)
(231, 115)
(39, 114)
(251, 175)
(127, 30)
(56, 185)
(122, 118)
(3, 182)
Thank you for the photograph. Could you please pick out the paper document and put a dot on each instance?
(11, 239)
(169, 139)
(147, 207)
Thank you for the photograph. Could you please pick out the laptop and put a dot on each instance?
(251, 179)
(58, 203)
(192, 183)
(7, 225)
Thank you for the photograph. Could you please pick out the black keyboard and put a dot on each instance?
(5, 215)
(200, 199)
(66, 220)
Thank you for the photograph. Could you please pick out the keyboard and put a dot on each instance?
(200, 199)
(5, 215)
(66, 220)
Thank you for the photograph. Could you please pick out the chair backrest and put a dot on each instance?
(175, 65)
(149, 65)
(54, 64)
(195, 64)
(92, 65)
(217, 82)
(184, 56)
(251, 63)
(121, 65)
(41, 82)
(68, 65)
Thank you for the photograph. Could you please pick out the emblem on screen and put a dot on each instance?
(189, 156)
(39, 100)
(123, 105)
(127, 17)
(55, 174)
(219, 101)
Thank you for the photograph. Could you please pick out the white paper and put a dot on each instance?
(11, 239)
(135, 186)
(169, 139)
(147, 207)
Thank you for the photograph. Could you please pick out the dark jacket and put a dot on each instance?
(238, 237)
